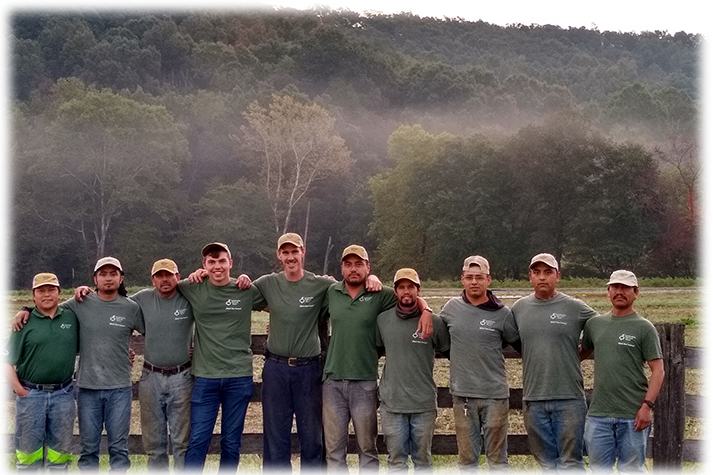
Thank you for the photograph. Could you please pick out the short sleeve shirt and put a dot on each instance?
(477, 364)
(407, 383)
(295, 308)
(45, 350)
(622, 347)
(169, 327)
(352, 350)
(105, 328)
(549, 332)
(222, 317)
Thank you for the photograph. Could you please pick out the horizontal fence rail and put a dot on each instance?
(679, 358)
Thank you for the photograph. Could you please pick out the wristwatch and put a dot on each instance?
(649, 403)
(427, 309)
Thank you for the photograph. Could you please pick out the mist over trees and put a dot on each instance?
(146, 135)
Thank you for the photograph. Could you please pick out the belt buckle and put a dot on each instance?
(47, 387)
(291, 361)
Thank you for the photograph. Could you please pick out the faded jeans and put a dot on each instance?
(612, 439)
(108, 409)
(406, 433)
(165, 408)
(44, 418)
(471, 415)
(555, 431)
(343, 400)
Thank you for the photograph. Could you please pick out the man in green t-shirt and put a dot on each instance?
(619, 418)
(39, 367)
(222, 359)
(550, 324)
(479, 325)
(407, 390)
(349, 389)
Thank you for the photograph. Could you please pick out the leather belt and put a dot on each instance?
(167, 369)
(291, 361)
(46, 387)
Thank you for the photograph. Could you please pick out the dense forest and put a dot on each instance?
(145, 135)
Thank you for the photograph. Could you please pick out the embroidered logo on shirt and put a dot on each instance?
(180, 314)
(231, 304)
(365, 298)
(557, 317)
(116, 320)
(627, 340)
(487, 324)
(65, 326)
(306, 302)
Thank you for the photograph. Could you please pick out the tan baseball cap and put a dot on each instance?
(108, 261)
(623, 277)
(290, 238)
(356, 250)
(164, 264)
(548, 259)
(207, 247)
(44, 278)
(479, 261)
(407, 273)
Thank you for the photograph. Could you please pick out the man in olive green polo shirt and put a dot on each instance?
(351, 367)
(39, 367)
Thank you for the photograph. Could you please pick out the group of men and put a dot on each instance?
(197, 361)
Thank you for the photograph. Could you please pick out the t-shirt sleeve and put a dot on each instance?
(139, 324)
(510, 331)
(587, 336)
(377, 332)
(13, 348)
(259, 302)
(441, 336)
(585, 313)
(651, 349)
(388, 299)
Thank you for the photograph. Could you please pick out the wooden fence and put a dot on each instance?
(666, 446)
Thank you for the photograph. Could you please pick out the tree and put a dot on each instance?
(298, 145)
(97, 154)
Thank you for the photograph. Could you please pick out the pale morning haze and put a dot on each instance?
(612, 15)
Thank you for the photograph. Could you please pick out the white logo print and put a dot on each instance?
(232, 302)
(180, 314)
(487, 325)
(65, 326)
(626, 340)
(418, 338)
(115, 320)
(557, 317)
(306, 299)
(365, 298)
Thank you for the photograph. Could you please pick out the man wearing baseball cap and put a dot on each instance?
(619, 417)
(222, 359)
(479, 325)
(407, 390)
(349, 388)
(39, 367)
(554, 409)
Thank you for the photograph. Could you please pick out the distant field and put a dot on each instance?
(658, 304)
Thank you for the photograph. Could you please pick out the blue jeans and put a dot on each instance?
(165, 408)
(108, 409)
(209, 394)
(406, 433)
(287, 391)
(555, 432)
(470, 416)
(44, 418)
(344, 400)
(609, 438)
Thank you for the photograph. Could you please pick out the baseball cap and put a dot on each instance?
(407, 273)
(356, 250)
(623, 277)
(108, 261)
(548, 259)
(44, 278)
(164, 264)
(479, 261)
(208, 247)
(290, 238)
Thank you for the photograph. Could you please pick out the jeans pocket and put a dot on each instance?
(145, 373)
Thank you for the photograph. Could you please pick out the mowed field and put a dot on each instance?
(657, 304)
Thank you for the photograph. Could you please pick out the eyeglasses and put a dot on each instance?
(475, 277)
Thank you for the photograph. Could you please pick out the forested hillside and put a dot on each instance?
(147, 135)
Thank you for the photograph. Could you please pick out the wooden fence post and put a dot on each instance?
(669, 414)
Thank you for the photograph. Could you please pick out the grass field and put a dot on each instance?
(658, 304)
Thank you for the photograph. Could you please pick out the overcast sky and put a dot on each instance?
(616, 15)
